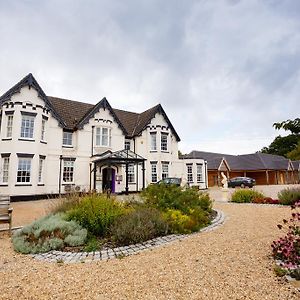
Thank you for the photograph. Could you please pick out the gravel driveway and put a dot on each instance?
(231, 262)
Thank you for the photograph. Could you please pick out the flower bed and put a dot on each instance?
(104, 222)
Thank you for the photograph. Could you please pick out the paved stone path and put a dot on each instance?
(120, 252)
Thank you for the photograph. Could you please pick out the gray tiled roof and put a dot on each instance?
(250, 162)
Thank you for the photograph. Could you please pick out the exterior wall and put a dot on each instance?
(82, 151)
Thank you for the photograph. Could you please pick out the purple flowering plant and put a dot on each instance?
(287, 248)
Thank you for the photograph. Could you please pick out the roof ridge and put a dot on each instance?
(65, 99)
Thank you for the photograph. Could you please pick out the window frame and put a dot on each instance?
(9, 125)
(164, 147)
(41, 169)
(5, 162)
(43, 129)
(126, 143)
(67, 139)
(164, 167)
(154, 174)
(99, 137)
(131, 173)
(68, 171)
(189, 172)
(26, 168)
(199, 174)
(153, 141)
(27, 126)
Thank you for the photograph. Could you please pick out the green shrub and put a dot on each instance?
(49, 233)
(289, 196)
(96, 213)
(182, 223)
(166, 197)
(245, 196)
(138, 226)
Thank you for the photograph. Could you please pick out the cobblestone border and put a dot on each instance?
(120, 252)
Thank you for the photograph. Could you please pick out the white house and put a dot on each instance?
(50, 145)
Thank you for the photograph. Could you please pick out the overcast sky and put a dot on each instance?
(224, 70)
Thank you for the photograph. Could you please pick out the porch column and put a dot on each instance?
(143, 171)
(245, 174)
(267, 175)
(95, 171)
(126, 179)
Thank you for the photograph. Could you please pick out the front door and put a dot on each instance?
(108, 179)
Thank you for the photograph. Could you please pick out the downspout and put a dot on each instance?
(92, 150)
(60, 163)
(206, 175)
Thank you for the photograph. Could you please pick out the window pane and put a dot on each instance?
(164, 142)
(131, 178)
(153, 141)
(24, 170)
(190, 173)
(5, 169)
(27, 126)
(199, 173)
(67, 138)
(165, 170)
(68, 171)
(9, 126)
(153, 172)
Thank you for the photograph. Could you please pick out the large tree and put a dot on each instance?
(286, 145)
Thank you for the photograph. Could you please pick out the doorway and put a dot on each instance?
(108, 180)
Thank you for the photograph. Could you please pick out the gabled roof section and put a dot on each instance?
(296, 165)
(101, 104)
(31, 82)
(146, 117)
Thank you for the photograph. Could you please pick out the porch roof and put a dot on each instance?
(121, 157)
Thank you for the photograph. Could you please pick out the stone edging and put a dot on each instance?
(120, 252)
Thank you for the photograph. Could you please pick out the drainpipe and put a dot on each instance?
(60, 163)
(206, 175)
(92, 150)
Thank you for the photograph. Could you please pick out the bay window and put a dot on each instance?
(189, 173)
(153, 172)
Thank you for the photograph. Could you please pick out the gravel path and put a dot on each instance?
(231, 262)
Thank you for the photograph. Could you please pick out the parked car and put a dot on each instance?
(241, 181)
(170, 180)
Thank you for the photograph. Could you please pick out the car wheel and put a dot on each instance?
(242, 186)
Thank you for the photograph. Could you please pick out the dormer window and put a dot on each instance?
(68, 139)
(103, 137)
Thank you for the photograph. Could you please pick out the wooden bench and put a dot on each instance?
(5, 211)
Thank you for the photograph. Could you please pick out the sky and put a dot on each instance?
(223, 70)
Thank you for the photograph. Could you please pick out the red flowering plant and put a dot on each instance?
(287, 248)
